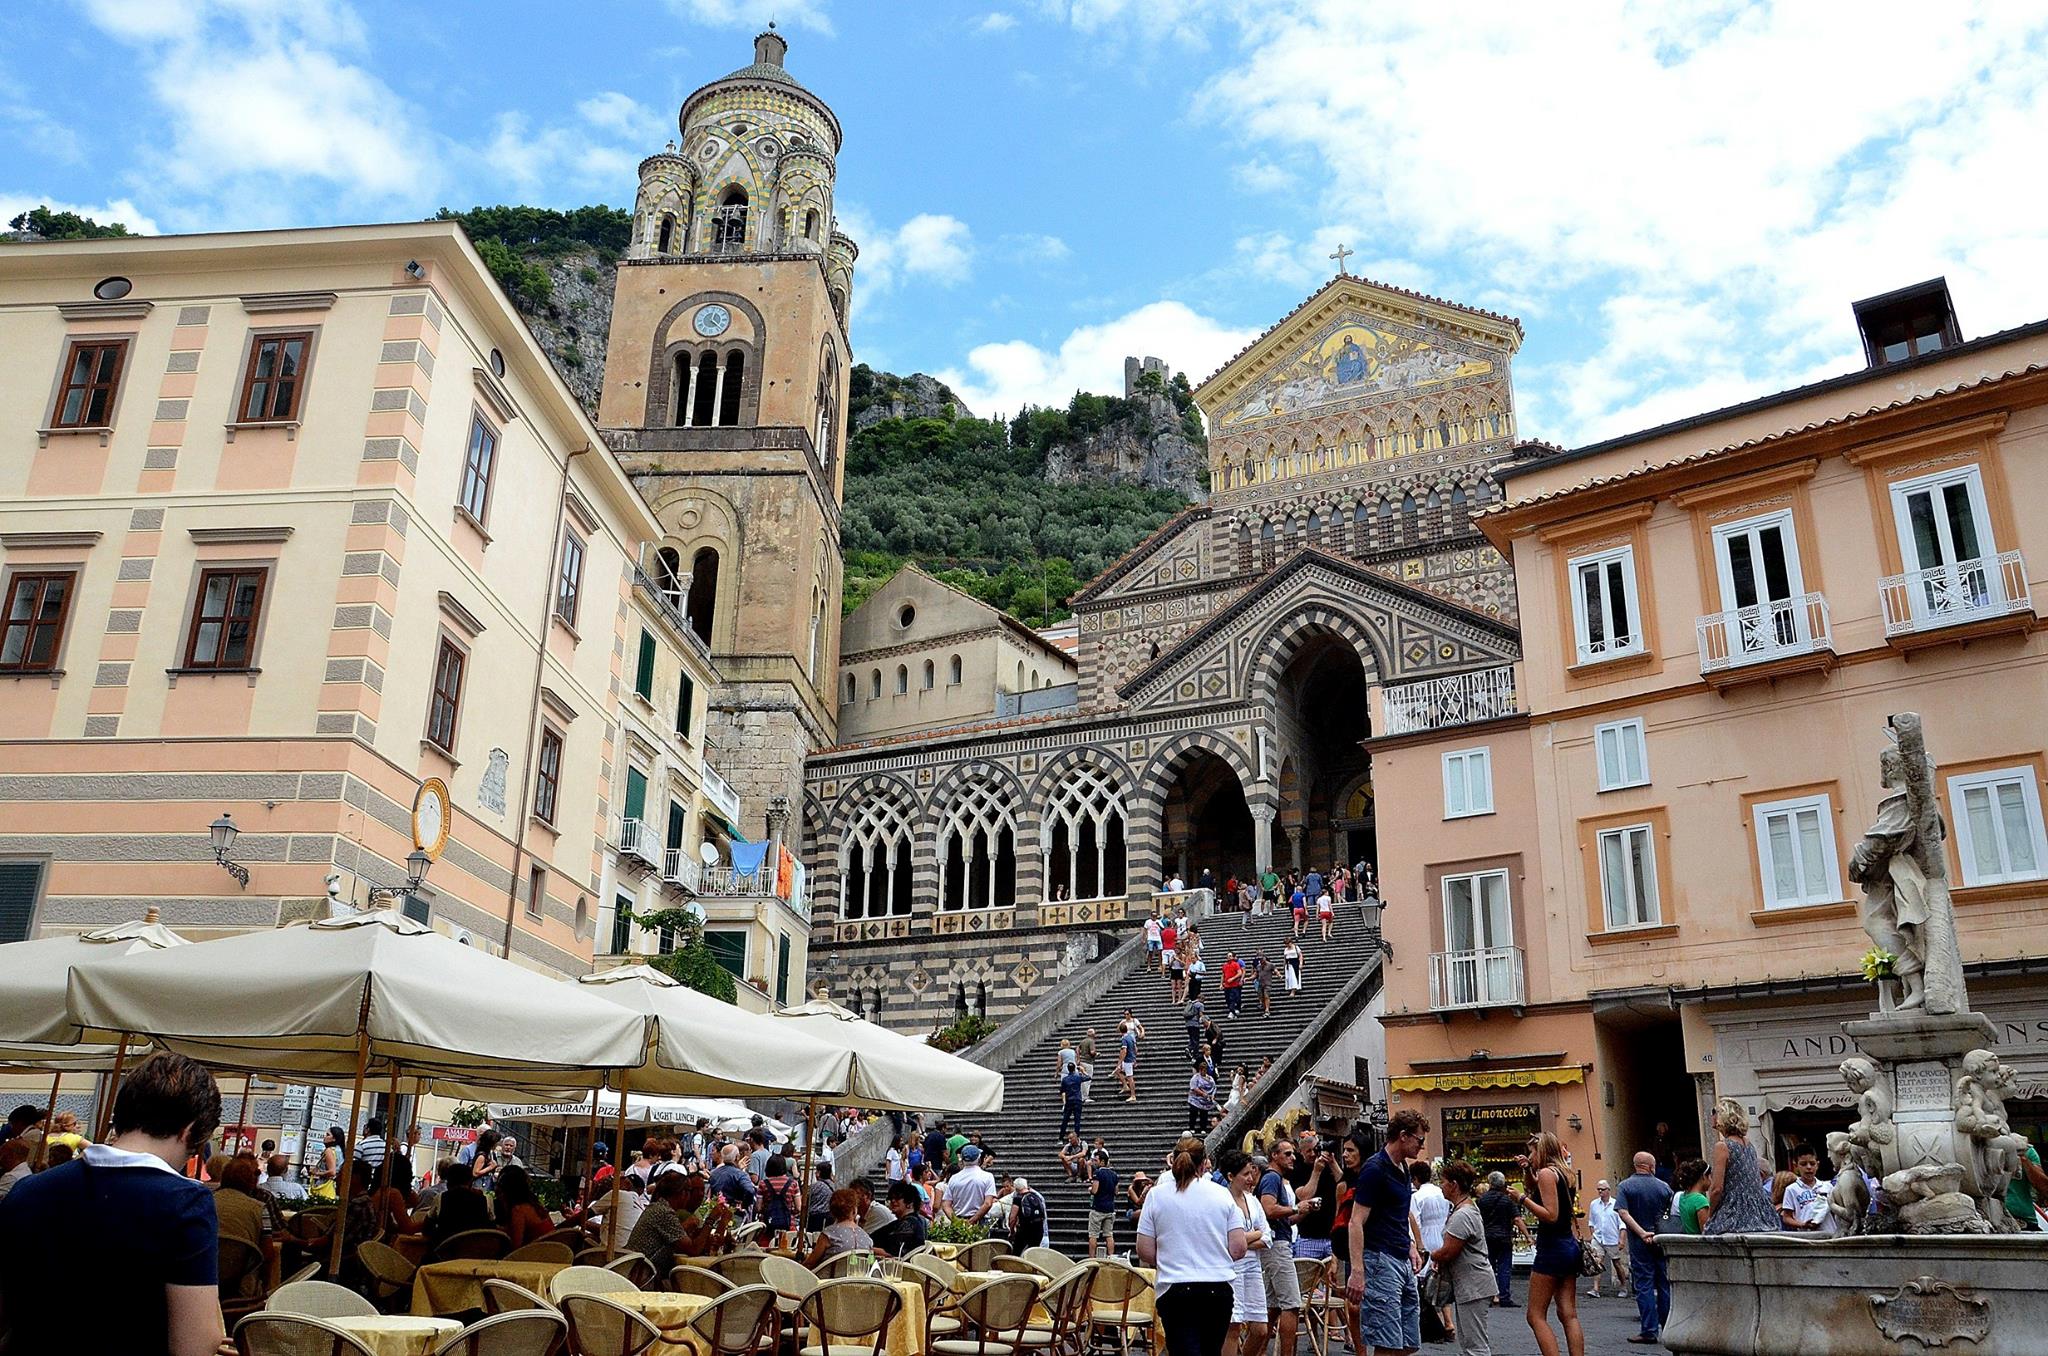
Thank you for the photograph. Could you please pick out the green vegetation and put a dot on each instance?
(967, 499)
(951, 1230)
(866, 388)
(511, 240)
(65, 225)
(691, 962)
(965, 1031)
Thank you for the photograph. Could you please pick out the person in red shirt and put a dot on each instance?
(1233, 983)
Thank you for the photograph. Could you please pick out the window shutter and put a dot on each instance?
(636, 793)
(729, 949)
(18, 889)
(686, 697)
(643, 677)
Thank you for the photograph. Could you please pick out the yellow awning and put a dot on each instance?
(1488, 1078)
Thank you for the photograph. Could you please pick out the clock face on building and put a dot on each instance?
(430, 817)
(712, 320)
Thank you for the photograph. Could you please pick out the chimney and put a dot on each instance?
(769, 48)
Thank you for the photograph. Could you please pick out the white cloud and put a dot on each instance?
(809, 14)
(996, 22)
(1717, 172)
(930, 245)
(1037, 248)
(1263, 176)
(1000, 378)
(623, 114)
(122, 210)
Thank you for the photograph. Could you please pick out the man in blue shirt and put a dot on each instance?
(1276, 1260)
(115, 1252)
(1102, 1207)
(1645, 1200)
(1071, 1087)
(1383, 1248)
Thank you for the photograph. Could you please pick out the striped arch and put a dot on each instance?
(974, 825)
(1273, 651)
(844, 817)
(1073, 800)
(1145, 835)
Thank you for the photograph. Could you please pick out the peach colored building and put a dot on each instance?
(292, 524)
(1617, 870)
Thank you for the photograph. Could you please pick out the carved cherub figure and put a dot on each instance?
(1849, 1201)
(1873, 1128)
(1980, 1115)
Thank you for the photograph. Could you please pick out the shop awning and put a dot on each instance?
(1479, 1079)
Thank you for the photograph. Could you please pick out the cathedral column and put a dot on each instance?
(1180, 856)
(1262, 837)
(778, 829)
(1294, 844)
(689, 397)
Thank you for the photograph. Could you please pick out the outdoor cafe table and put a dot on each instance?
(397, 1334)
(456, 1287)
(906, 1330)
(1142, 1306)
(672, 1314)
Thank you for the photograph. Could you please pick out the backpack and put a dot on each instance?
(1027, 1223)
(775, 1206)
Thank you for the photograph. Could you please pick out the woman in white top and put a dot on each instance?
(1192, 1232)
(894, 1171)
(1248, 1287)
(1292, 956)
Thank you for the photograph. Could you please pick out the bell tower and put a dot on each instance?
(725, 399)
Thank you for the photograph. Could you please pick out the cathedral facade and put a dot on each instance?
(1225, 673)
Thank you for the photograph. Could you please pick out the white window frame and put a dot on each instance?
(1620, 730)
(1650, 909)
(1476, 900)
(1780, 625)
(1459, 772)
(1600, 560)
(1827, 889)
(1966, 843)
(1972, 477)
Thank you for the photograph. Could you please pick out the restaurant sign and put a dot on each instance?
(1480, 1079)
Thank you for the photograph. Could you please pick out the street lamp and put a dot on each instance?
(416, 864)
(224, 833)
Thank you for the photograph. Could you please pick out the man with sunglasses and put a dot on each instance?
(1385, 1258)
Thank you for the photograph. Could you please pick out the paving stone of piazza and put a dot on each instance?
(1608, 1324)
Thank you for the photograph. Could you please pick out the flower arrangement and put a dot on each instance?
(955, 1231)
(1878, 964)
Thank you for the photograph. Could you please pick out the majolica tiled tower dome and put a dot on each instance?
(752, 175)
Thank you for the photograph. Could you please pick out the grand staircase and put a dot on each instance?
(1024, 1135)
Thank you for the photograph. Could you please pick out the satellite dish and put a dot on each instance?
(708, 853)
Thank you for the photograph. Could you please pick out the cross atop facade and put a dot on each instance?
(1340, 256)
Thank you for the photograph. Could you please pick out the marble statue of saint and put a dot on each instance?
(1873, 1131)
(1900, 865)
(1996, 1153)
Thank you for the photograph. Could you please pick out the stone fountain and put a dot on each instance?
(1938, 1263)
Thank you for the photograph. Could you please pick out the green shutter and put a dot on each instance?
(782, 970)
(18, 888)
(686, 697)
(643, 677)
(676, 819)
(729, 949)
(636, 793)
(622, 925)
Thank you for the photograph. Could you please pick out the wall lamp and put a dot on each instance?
(224, 834)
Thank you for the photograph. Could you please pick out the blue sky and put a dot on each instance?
(1679, 201)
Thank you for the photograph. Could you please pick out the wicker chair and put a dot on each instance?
(1020, 1266)
(850, 1317)
(685, 1279)
(1112, 1288)
(269, 1334)
(575, 1240)
(635, 1267)
(939, 1320)
(746, 1234)
(509, 1297)
(540, 1250)
(318, 1299)
(740, 1322)
(839, 1268)
(472, 1245)
(980, 1256)
(1322, 1318)
(390, 1274)
(996, 1314)
(792, 1281)
(1050, 1261)
(598, 1327)
(242, 1267)
(741, 1268)
(1066, 1303)
(530, 1332)
(587, 1281)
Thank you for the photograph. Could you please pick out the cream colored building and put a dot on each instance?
(1617, 870)
(920, 654)
(296, 523)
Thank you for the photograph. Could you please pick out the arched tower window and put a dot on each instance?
(702, 606)
(874, 875)
(1084, 836)
(1360, 530)
(811, 224)
(668, 577)
(978, 850)
(875, 683)
(1411, 524)
(828, 412)
(704, 393)
(902, 679)
(665, 239)
(1386, 515)
(1020, 676)
(852, 689)
(953, 669)
(732, 380)
(1268, 546)
(930, 674)
(729, 222)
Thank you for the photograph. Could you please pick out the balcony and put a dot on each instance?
(1988, 594)
(1769, 640)
(1487, 978)
(639, 843)
(680, 869)
(723, 798)
(1459, 699)
(670, 605)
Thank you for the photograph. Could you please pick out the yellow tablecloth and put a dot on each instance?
(906, 1331)
(947, 1251)
(670, 1313)
(964, 1281)
(452, 1287)
(398, 1334)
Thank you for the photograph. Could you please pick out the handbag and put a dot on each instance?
(1590, 1263)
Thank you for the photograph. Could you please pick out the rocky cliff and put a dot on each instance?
(1150, 437)
(575, 320)
(874, 396)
